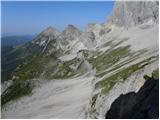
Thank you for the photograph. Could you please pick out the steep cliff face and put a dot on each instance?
(143, 105)
(131, 13)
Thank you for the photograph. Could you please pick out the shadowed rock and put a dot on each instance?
(141, 105)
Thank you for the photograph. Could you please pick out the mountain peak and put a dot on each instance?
(50, 28)
(71, 26)
(50, 31)
(71, 30)
(43, 37)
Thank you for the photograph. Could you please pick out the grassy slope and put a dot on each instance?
(111, 62)
(33, 67)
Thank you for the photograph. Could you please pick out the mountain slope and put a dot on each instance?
(106, 60)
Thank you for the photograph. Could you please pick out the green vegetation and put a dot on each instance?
(93, 107)
(12, 57)
(65, 70)
(109, 58)
(22, 78)
(35, 64)
(9, 62)
(155, 74)
(31, 68)
(21, 64)
(123, 74)
(16, 90)
(93, 102)
(146, 77)
(133, 56)
(101, 61)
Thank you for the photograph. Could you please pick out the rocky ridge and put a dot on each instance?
(115, 60)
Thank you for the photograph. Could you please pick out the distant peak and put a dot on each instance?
(50, 31)
(71, 27)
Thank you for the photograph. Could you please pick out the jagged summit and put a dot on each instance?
(69, 34)
(70, 26)
(68, 37)
(131, 13)
(71, 29)
(50, 28)
(50, 31)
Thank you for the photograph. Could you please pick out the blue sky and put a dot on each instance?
(22, 18)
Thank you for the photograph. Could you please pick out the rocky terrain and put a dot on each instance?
(141, 105)
(132, 13)
(79, 74)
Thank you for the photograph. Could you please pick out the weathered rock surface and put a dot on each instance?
(49, 33)
(143, 105)
(131, 13)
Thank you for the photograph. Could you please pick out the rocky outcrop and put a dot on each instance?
(70, 33)
(49, 33)
(68, 37)
(141, 105)
(46, 40)
(131, 13)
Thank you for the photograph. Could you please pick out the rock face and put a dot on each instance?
(131, 13)
(68, 37)
(44, 36)
(142, 105)
(46, 40)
